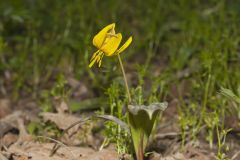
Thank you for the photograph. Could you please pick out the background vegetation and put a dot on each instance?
(182, 50)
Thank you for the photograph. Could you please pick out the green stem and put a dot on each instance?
(205, 100)
(140, 153)
(125, 78)
(219, 141)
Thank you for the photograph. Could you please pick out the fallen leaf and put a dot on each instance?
(2, 157)
(5, 108)
(60, 105)
(62, 120)
(9, 139)
(38, 151)
(76, 135)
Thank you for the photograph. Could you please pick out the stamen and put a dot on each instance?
(95, 54)
(92, 62)
(100, 62)
(98, 58)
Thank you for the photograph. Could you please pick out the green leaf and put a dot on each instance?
(88, 104)
(141, 119)
(228, 93)
(114, 119)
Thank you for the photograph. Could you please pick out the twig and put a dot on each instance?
(169, 135)
(60, 143)
(235, 155)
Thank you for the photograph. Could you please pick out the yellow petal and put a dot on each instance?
(124, 46)
(99, 38)
(112, 44)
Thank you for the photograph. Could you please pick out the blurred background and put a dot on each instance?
(184, 52)
(42, 39)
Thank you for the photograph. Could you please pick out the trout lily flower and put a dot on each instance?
(107, 43)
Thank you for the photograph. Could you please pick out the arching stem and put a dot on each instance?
(125, 78)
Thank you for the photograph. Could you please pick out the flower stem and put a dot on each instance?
(125, 78)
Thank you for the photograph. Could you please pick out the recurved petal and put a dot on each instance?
(124, 46)
(99, 38)
(112, 44)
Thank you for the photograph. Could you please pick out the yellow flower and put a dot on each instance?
(107, 43)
